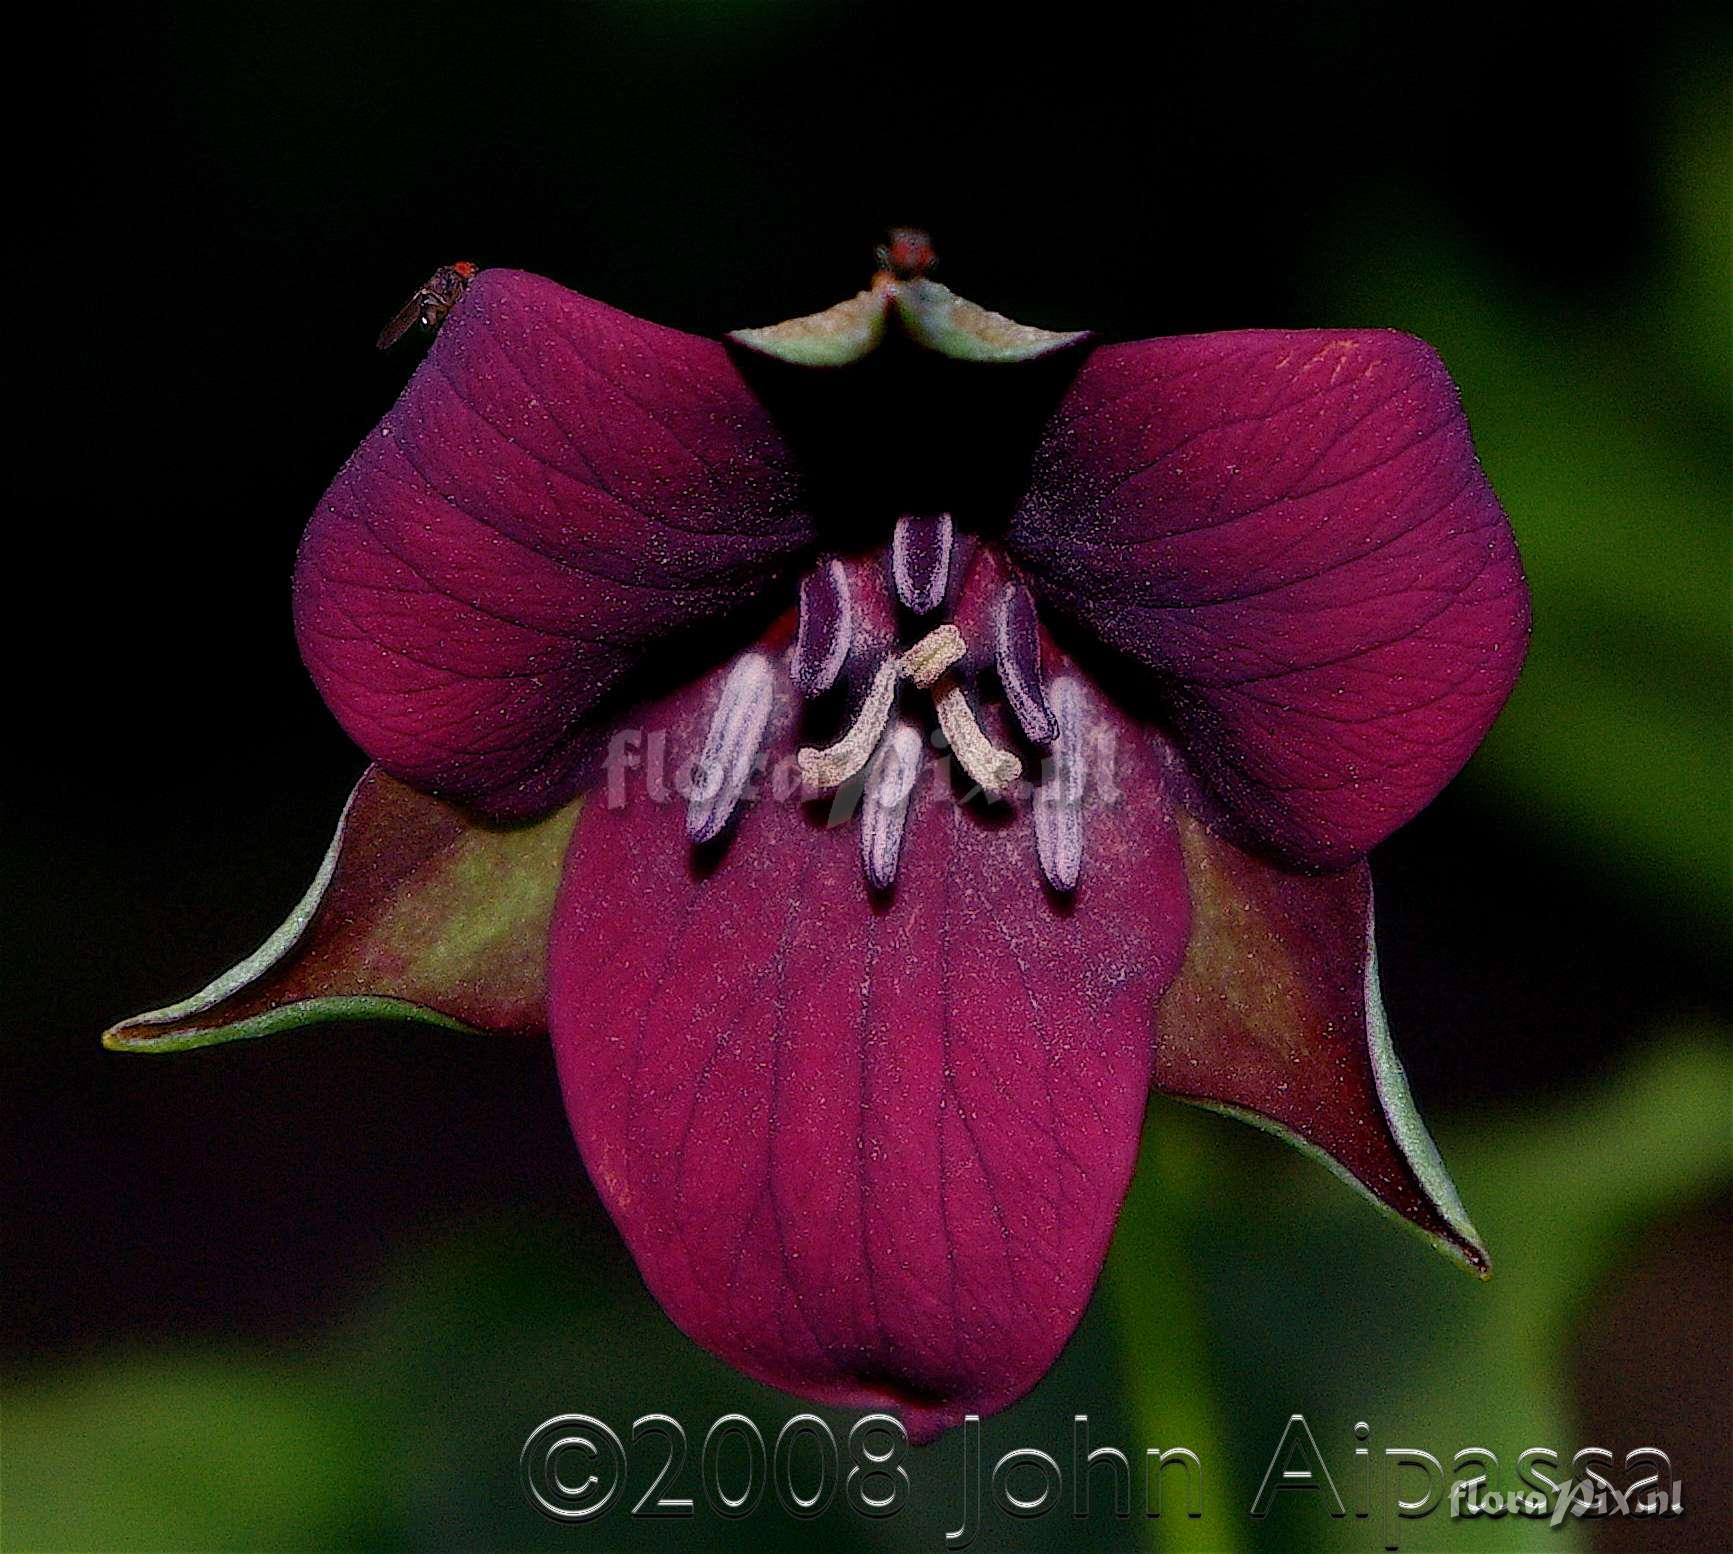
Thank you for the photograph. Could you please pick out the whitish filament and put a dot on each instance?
(1059, 799)
(730, 746)
(885, 804)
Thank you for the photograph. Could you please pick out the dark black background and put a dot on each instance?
(228, 202)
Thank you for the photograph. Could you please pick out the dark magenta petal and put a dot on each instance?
(560, 489)
(1276, 1017)
(1290, 530)
(868, 1148)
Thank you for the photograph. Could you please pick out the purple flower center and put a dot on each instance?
(901, 640)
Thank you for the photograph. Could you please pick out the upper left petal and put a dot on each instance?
(560, 488)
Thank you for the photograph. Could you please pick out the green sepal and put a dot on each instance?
(932, 316)
(1277, 1018)
(419, 912)
(833, 337)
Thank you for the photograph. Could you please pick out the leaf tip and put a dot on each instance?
(1471, 1254)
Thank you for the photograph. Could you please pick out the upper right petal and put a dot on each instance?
(560, 488)
(1288, 535)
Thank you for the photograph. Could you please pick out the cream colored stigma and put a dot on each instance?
(933, 655)
(928, 665)
(994, 769)
(832, 766)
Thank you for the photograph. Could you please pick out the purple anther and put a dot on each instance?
(921, 561)
(885, 804)
(1019, 660)
(826, 629)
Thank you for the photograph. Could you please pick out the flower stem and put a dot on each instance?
(1152, 1282)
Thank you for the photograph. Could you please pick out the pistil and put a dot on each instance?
(933, 655)
(994, 769)
(832, 766)
(885, 747)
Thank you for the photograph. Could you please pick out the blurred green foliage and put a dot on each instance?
(1345, 1322)
(402, 1430)
(1606, 432)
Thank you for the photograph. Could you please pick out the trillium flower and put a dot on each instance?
(881, 749)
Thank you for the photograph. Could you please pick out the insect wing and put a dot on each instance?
(403, 320)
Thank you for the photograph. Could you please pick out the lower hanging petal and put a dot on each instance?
(1276, 1017)
(865, 1146)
